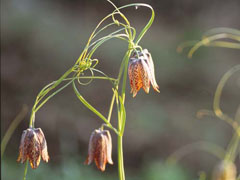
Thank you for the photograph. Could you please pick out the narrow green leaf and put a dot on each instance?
(123, 115)
(50, 96)
(90, 107)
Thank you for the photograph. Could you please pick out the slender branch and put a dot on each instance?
(90, 107)
(25, 170)
(32, 118)
(120, 159)
(224, 44)
(217, 97)
(208, 40)
(111, 107)
(53, 94)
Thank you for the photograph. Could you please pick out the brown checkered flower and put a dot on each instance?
(141, 72)
(225, 170)
(33, 146)
(100, 149)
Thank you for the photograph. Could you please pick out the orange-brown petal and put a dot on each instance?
(43, 144)
(100, 149)
(151, 69)
(145, 76)
(109, 146)
(135, 75)
(100, 155)
(131, 75)
(91, 147)
(34, 150)
(22, 157)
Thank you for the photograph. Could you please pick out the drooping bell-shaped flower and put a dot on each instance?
(225, 170)
(100, 149)
(33, 146)
(141, 72)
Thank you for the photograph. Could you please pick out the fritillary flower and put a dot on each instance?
(33, 146)
(100, 149)
(141, 72)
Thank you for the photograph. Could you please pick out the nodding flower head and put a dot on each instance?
(100, 149)
(33, 146)
(225, 170)
(141, 72)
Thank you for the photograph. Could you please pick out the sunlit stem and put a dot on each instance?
(232, 148)
(111, 107)
(90, 107)
(225, 44)
(35, 108)
(125, 74)
(120, 158)
(25, 170)
(217, 97)
(219, 30)
(121, 113)
(208, 40)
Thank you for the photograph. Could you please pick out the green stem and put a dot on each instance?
(122, 113)
(31, 124)
(25, 171)
(125, 73)
(93, 77)
(120, 158)
(90, 107)
(233, 146)
(217, 97)
(122, 116)
(122, 66)
(225, 44)
(45, 92)
(231, 152)
(207, 40)
(111, 107)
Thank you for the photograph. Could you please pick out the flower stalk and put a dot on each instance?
(100, 143)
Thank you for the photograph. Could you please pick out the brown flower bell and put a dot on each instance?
(33, 146)
(141, 72)
(225, 170)
(100, 149)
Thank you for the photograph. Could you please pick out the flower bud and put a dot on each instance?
(100, 149)
(141, 72)
(225, 170)
(33, 146)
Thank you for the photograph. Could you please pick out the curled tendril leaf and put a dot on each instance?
(217, 37)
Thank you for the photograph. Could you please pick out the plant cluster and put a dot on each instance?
(226, 168)
(137, 63)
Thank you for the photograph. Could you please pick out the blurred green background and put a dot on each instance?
(40, 40)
